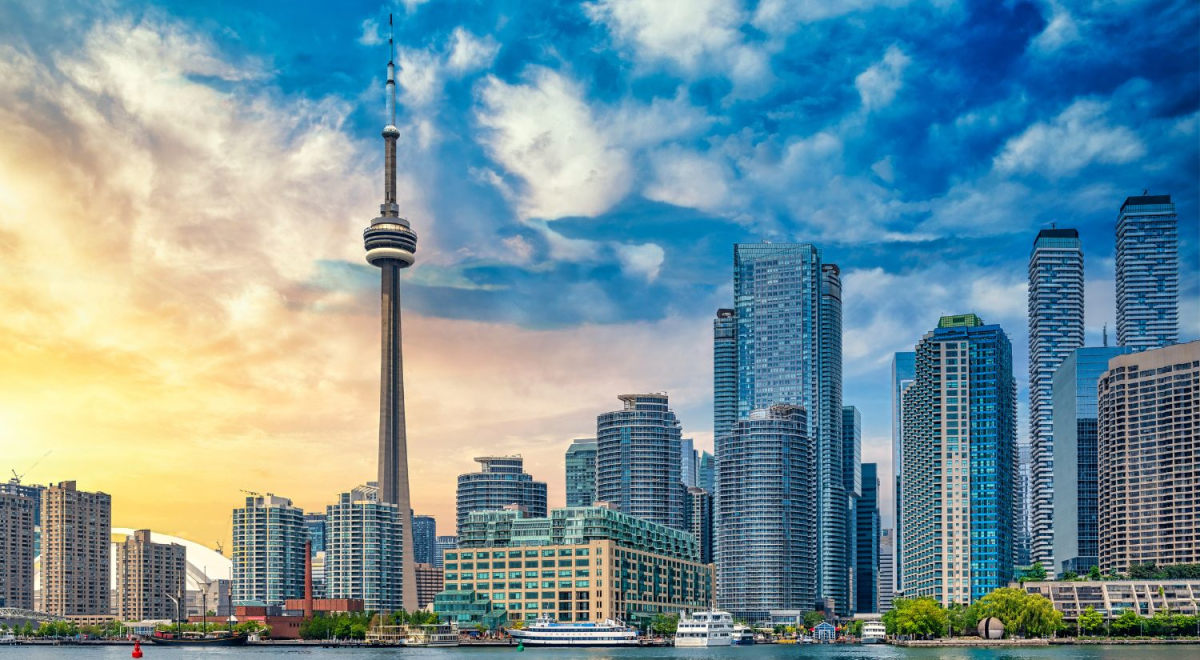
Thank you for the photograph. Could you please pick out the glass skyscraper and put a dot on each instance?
(637, 460)
(852, 477)
(789, 351)
(444, 543)
(1076, 509)
(867, 539)
(501, 482)
(706, 470)
(960, 457)
(581, 472)
(314, 523)
(903, 371)
(687, 462)
(1055, 329)
(1147, 273)
(766, 547)
(268, 551)
(725, 372)
(362, 550)
(424, 539)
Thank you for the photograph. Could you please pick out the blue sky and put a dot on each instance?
(579, 172)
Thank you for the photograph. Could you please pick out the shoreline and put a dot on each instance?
(965, 642)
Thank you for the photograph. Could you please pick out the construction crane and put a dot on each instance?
(17, 477)
(220, 549)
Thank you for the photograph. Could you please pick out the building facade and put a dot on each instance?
(34, 493)
(700, 521)
(17, 515)
(852, 479)
(960, 463)
(500, 482)
(1025, 505)
(867, 540)
(725, 372)
(268, 551)
(707, 470)
(580, 564)
(1148, 450)
(424, 539)
(1076, 522)
(789, 351)
(314, 523)
(362, 550)
(687, 462)
(429, 583)
(1147, 273)
(76, 552)
(766, 545)
(637, 460)
(151, 579)
(581, 472)
(1114, 597)
(903, 372)
(444, 543)
(887, 570)
(1055, 329)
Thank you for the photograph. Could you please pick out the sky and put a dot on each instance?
(186, 308)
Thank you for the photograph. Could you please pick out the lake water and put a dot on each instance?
(761, 652)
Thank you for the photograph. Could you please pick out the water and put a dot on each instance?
(760, 652)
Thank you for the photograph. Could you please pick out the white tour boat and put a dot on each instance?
(548, 632)
(742, 635)
(874, 632)
(705, 629)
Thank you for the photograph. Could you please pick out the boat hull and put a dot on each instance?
(236, 640)
(578, 644)
(700, 642)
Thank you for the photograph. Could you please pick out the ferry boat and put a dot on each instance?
(548, 632)
(436, 634)
(742, 635)
(874, 632)
(705, 629)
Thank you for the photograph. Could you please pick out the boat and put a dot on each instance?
(874, 632)
(8, 638)
(711, 628)
(219, 638)
(742, 635)
(436, 634)
(547, 632)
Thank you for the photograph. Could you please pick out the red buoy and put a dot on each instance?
(137, 649)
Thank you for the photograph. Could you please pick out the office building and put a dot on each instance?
(362, 550)
(268, 550)
(1147, 273)
(1113, 597)
(1055, 329)
(580, 564)
(1024, 539)
(314, 524)
(687, 462)
(789, 341)
(725, 372)
(706, 469)
(960, 463)
(16, 547)
(1076, 523)
(424, 539)
(852, 480)
(391, 245)
(581, 472)
(637, 460)
(429, 583)
(904, 370)
(151, 579)
(887, 570)
(867, 541)
(500, 482)
(444, 543)
(765, 545)
(700, 521)
(1148, 449)
(76, 553)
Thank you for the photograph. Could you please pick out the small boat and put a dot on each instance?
(219, 638)
(874, 632)
(742, 635)
(8, 638)
(705, 629)
(436, 634)
(547, 632)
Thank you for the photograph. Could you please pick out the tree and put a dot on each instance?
(917, 617)
(664, 624)
(1129, 623)
(1143, 571)
(1094, 573)
(1091, 621)
(1070, 576)
(813, 619)
(854, 628)
(1034, 573)
(1031, 614)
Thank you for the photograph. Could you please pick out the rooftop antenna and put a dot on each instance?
(1105, 334)
(1145, 191)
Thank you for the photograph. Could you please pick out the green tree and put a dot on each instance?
(1094, 573)
(1069, 576)
(917, 617)
(1034, 573)
(1129, 623)
(664, 624)
(813, 619)
(1091, 621)
(854, 628)
(1143, 571)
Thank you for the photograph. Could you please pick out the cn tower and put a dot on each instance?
(390, 244)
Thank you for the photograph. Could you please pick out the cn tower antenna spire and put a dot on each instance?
(391, 100)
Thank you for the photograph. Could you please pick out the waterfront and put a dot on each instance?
(759, 652)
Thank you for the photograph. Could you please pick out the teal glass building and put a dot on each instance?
(581, 472)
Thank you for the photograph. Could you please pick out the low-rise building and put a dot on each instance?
(578, 564)
(1112, 597)
(429, 583)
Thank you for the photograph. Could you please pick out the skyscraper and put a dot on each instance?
(361, 553)
(314, 523)
(887, 569)
(268, 550)
(76, 531)
(16, 548)
(149, 576)
(581, 472)
(960, 454)
(867, 536)
(766, 546)
(444, 543)
(903, 372)
(1147, 273)
(637, 460)
(700, 521)
(725, 361)
(34, 493)
(789, 341)
(1055, 329)
(501, 481)
(1076, 508)
(1148, 452)
(391, 243)
(852, 478)
(424, 539)
(707, 472)
(687, 462)
(1024, 539)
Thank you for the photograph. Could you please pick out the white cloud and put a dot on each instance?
(883, 169)
(370, 33)
(1060, 31)
(877, 86)
(1077, 137)
(781, 16)
(689, 179)
(643, 260)
(470, 53)
(423, 73)
(419, 76)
